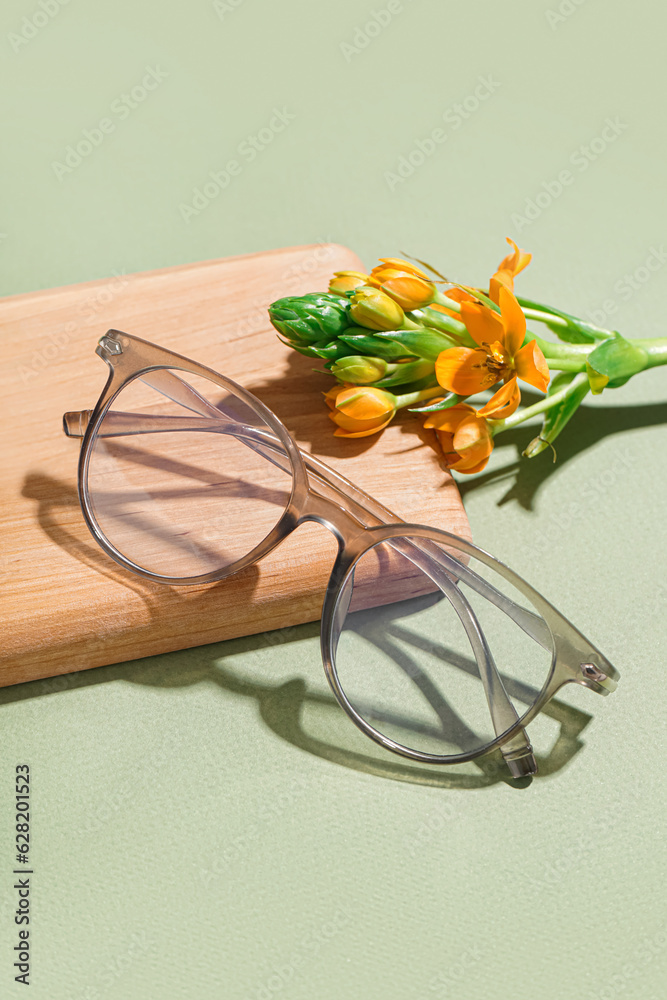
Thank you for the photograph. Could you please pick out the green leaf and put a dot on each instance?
(558, 416)
(424, 343)
(571, 334)
(559, 382)
(613, 359)
(576, 327)
(451, 399)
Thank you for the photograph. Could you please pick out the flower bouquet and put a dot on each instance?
(405, 336)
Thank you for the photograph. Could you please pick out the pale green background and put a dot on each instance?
(189, 839)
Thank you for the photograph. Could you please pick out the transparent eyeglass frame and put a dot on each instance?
(359, 523)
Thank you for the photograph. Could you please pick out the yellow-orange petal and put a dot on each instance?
(446, 441)
(332, 395)
(448, 420)
(341, 432)
(532, 367)
(355, 425)
(459, 294)
(372, 308)
(346, 281)
(463, 370)
(359, 410)
(508, 269)
(483, 324)
(466, 471)
(385, 273)
(397, 264)
(516, 261)
(514, 320)
(360, 405)
(410, 292)
(473, 442)
(500, 279)
(504, 402)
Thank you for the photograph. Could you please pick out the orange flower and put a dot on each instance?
(359, 410)
(407, 284)
(464, 437)
(508, 269)
(345, 281)
(499, 357)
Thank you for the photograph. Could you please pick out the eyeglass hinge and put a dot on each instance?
(111, 346)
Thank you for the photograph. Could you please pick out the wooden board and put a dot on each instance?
(64, 604)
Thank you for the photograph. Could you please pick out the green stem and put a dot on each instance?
(567, 351)
(446, 324)
(544, 317)
(532, 411)
(567, 364)
(656, 348)
(555, 320)
(442, 300)
(408, 398)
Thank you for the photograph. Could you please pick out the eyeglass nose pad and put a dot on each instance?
(75, 423)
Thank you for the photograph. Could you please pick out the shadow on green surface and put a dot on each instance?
(283, 707)
(526, 477)
(588, 426)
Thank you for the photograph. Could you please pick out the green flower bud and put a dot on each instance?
(359, 370)
(308, 319)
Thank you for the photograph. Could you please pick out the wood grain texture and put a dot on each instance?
(65, 606)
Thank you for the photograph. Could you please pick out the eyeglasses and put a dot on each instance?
(435, 649)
